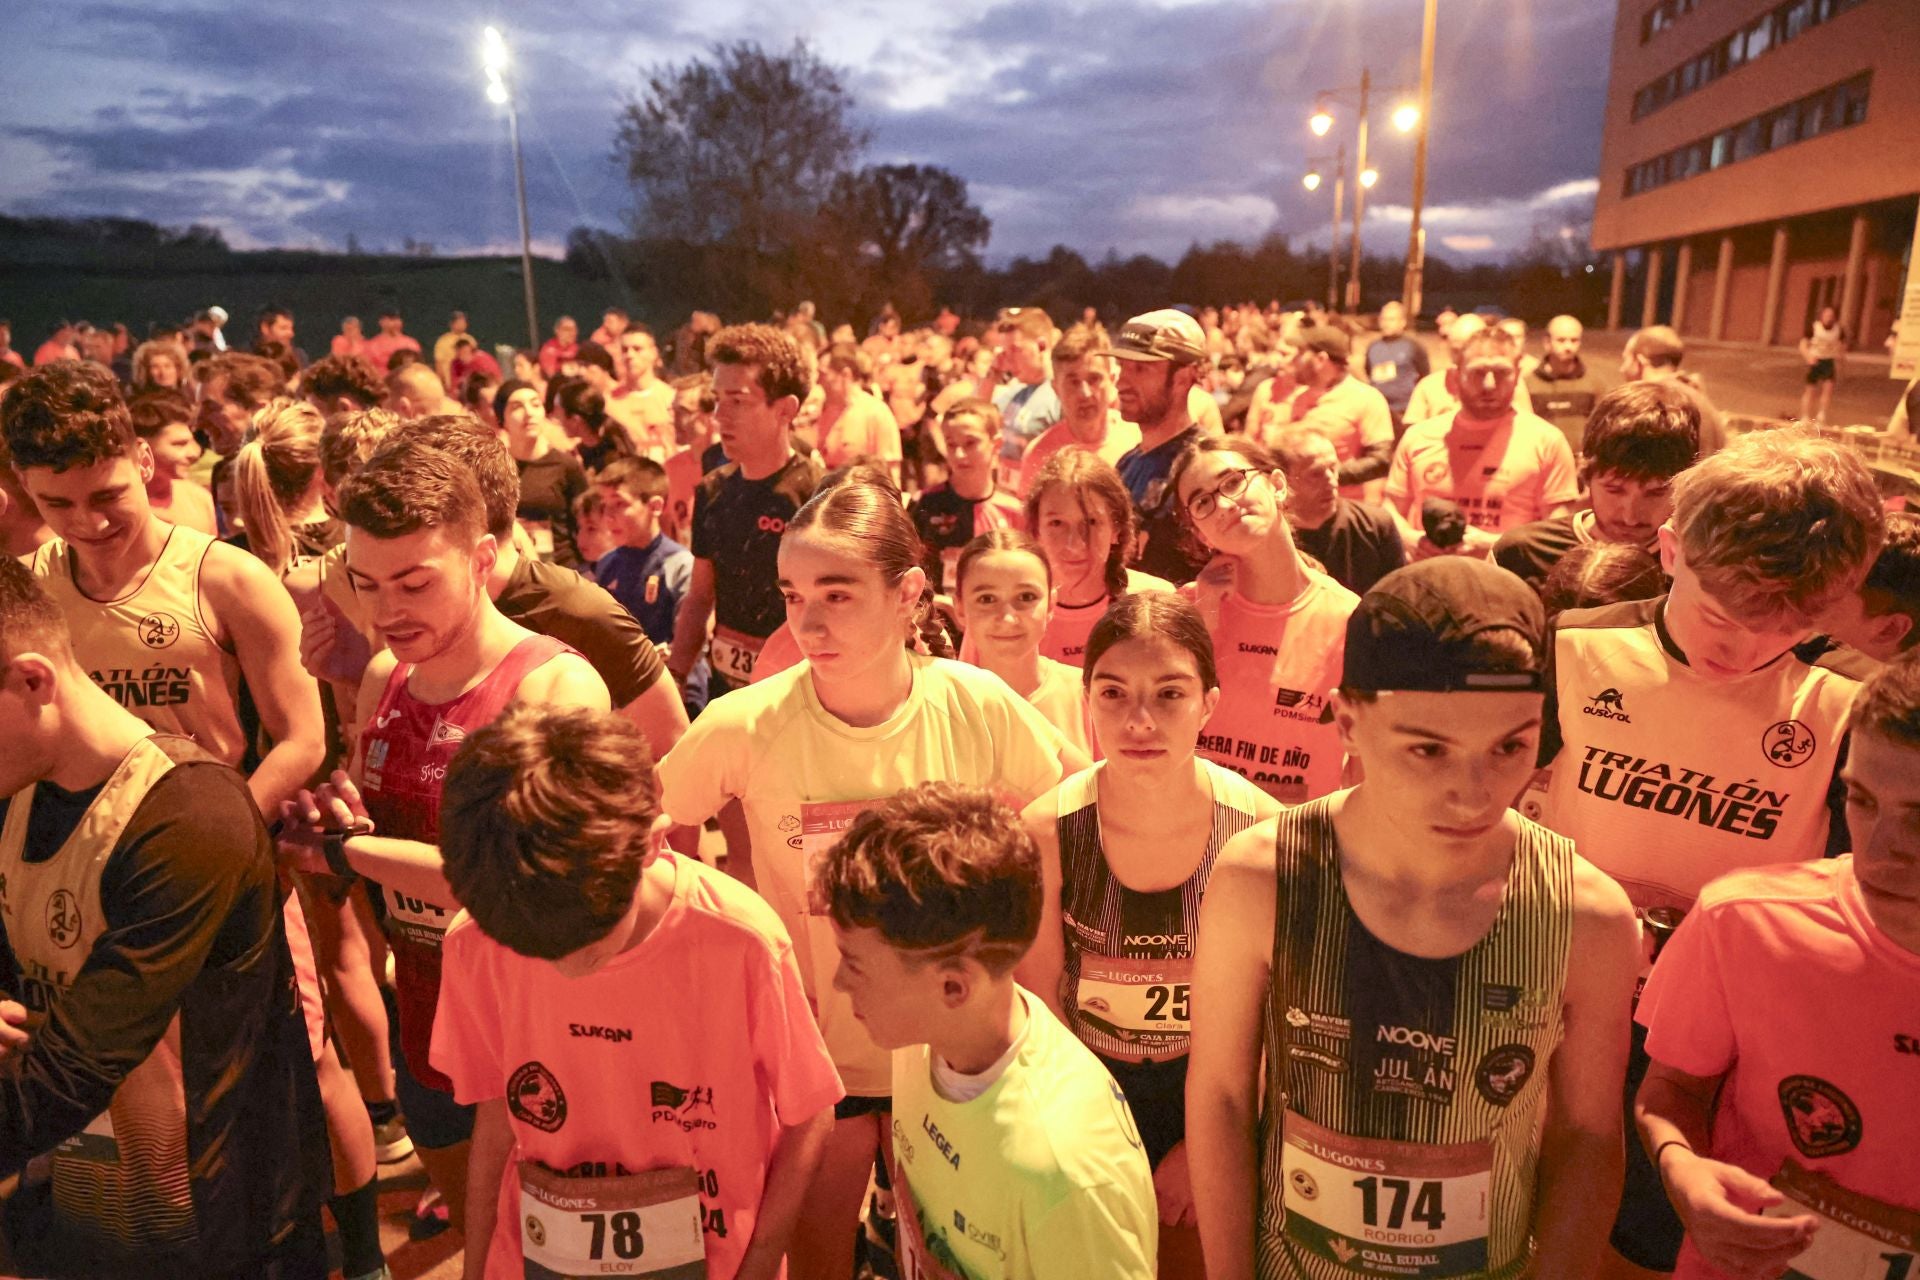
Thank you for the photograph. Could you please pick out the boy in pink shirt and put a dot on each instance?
(1784, 1026)
(653, 1093)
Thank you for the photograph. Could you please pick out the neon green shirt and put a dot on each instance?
(1034, 1177)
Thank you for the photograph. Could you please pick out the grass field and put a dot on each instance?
(320, 288)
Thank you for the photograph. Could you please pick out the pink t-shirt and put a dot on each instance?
(1351, 413)
(865, 428)
(1503, 473)
(1779, 980)
(1121, 436)
(690, 1050)
(1065, 639)
(1278, 665)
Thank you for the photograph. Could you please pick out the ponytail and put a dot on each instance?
(272, 472)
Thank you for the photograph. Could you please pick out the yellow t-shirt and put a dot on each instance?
(801, 775)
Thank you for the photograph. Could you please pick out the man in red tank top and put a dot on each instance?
(419, 554)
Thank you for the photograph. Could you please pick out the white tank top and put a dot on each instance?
(153, 649)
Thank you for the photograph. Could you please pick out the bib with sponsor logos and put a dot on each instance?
(1387, 1208)
(1859, 1238)
(639, 1224)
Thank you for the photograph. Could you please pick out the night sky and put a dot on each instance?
(1134, 125)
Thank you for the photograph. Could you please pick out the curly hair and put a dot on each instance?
(66, 414)
(351, 377)
(780, 366)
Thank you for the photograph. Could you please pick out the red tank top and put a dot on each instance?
(405, 750)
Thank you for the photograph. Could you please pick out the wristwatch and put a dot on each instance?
(333, 847)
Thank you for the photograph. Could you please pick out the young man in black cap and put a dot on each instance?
(1161, 354)
(1442, 1084)
(1352, 414)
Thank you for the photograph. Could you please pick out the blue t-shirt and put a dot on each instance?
(650, 582)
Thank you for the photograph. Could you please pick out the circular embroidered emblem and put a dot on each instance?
(159, 630)
(1821, 1120)
(63, 918)
(1788, 744)
(1503, 1073)
(534, 1097)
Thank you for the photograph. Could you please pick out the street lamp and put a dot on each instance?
(1368, 177)
(1320, 122)
(1416, 238)
(494, 60)
(1312, 181)
(1406, 117)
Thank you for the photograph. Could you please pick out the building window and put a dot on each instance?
(1663, 15)
(1839, 107)
(1786, 21)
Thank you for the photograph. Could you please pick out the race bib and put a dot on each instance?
(1142, 1003)
(642, 1224)
(94, 1144)
(416, 920)
(822, 824)
(1387, 1208)
(918, 1260)
(733, 653)
(1385, 371)
(1859, 1238)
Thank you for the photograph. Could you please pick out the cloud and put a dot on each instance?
(1137, 125)
(1467, 243)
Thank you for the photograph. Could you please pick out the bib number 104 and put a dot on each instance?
(624, 1230)
(1405, 1199)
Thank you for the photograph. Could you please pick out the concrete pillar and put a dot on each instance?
(1650, 305)
(1722, 284)
(1857, 324)
(1850, 283)
(1616, 288)
(1682, 274)
(1776, 285)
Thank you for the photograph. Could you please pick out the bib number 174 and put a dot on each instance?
(1426, 1198)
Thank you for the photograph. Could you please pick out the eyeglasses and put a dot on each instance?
(1232, 484)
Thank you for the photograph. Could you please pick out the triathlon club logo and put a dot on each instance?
(159, 630)
(534, 1097)
(1788, 744)
(63, 918)
(1821, 1120)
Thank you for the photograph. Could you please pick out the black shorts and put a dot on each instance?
(1646, 1231)
(1821, 371)
(1156, 1094)
(852, 1108)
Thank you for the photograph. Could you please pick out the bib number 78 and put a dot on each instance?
(624, 1227)
(1427, 1199)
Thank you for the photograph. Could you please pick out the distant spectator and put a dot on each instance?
(562, 346)
(414, 391)
(467, 359)
(1654, 355)
(274, 323)
(349, 341)
(7, 354)
(1357, 542)
(1823, 348)
(159, 366)
(392, 337)
(613, 323)
(164, 420)
(58, 346)
(1563, 386)
(281, 357)
(443, 347)
(1395, 361)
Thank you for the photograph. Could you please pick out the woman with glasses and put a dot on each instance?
(1278, 625)
(1082, 516)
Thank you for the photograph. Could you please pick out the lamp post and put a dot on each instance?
(1405, 117)
(1415, 282)
(1312, 181)
(493, 57)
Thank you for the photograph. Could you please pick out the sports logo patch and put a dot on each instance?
(159, 630)
(1503, 1073)
(1788, 744)
(534, 1097)
(63, 919)
(1821, 1120)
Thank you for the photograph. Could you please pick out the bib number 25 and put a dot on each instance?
(1167, 1002)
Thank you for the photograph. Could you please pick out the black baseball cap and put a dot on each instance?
(1413, 631)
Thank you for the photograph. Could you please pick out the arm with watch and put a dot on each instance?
(328, 832)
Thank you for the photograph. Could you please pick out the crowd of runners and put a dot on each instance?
(1222, 794)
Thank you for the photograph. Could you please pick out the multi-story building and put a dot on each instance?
(1761, 161)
